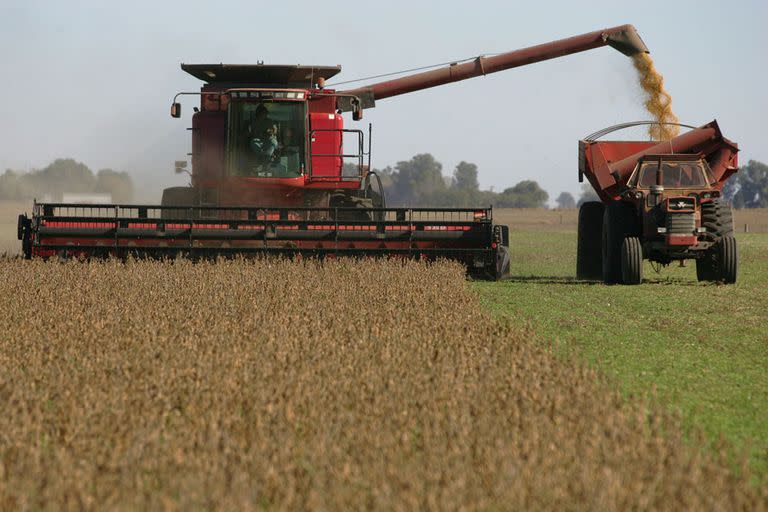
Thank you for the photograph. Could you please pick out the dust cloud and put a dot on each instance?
(658, 101)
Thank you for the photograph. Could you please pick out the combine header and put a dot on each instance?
(660, 201)
(274, 170)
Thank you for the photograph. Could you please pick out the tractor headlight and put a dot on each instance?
(706, 195)
(638, 195)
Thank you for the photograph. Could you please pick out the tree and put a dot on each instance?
(10, 185)
(565, 200)
(587, 194)
(464, 190)
(63, 175)
(118, 184)
(749, 187)
(418, 181)
(526, 194)
(465, 177)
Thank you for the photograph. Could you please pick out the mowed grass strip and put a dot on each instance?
(701, 349)
(296, 385)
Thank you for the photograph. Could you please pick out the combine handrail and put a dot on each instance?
(610, 129)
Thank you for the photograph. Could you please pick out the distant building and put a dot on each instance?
(93, 198)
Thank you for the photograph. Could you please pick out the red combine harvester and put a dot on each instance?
(660, 202)
(275, 171)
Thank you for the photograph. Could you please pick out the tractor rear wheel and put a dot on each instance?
(619, 222)
(717, 219)
(727, 259)
(589, 252)
(705, 268)
(631, 260)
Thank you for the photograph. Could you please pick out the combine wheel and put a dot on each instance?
(618, 223)
(589, 255)
(362, 207)
(631, 260)
(502, 262)
(727, 259)
(376, 195)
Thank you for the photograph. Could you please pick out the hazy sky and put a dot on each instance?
(93, 80)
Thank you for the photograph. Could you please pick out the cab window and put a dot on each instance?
(673, 175)
(265, 139)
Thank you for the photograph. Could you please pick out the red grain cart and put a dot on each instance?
(660, 201)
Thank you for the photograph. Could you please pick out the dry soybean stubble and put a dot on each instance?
(658, 101)
(298, 385)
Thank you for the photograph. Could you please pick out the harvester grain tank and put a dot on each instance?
(659, 201)
(274, 170)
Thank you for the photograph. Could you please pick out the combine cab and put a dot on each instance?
(660, 202)
(274, 170)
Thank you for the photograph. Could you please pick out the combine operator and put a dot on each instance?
(264, 133)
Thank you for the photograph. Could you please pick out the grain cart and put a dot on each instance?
(659, 201)
(274, 170)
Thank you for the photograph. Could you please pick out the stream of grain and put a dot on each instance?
(658, 101)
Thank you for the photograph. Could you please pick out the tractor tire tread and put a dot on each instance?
(589, 253)
(728, 259)
(631, 261)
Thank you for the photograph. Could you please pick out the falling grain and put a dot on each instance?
(658, 102)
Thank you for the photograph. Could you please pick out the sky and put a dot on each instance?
(93, 80)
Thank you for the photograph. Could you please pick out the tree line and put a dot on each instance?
(62, 176)
(748, 188)
(420, 181)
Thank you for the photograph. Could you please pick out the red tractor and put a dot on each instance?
(274, 170)
(660, 201)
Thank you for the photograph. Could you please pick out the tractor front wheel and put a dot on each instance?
(727, 259)
(631, 260)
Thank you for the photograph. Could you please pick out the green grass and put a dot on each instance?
(699, 348)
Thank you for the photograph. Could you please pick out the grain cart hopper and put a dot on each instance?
(659, 201)
(274, 170)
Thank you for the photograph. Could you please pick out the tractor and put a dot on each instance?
(660, 201)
